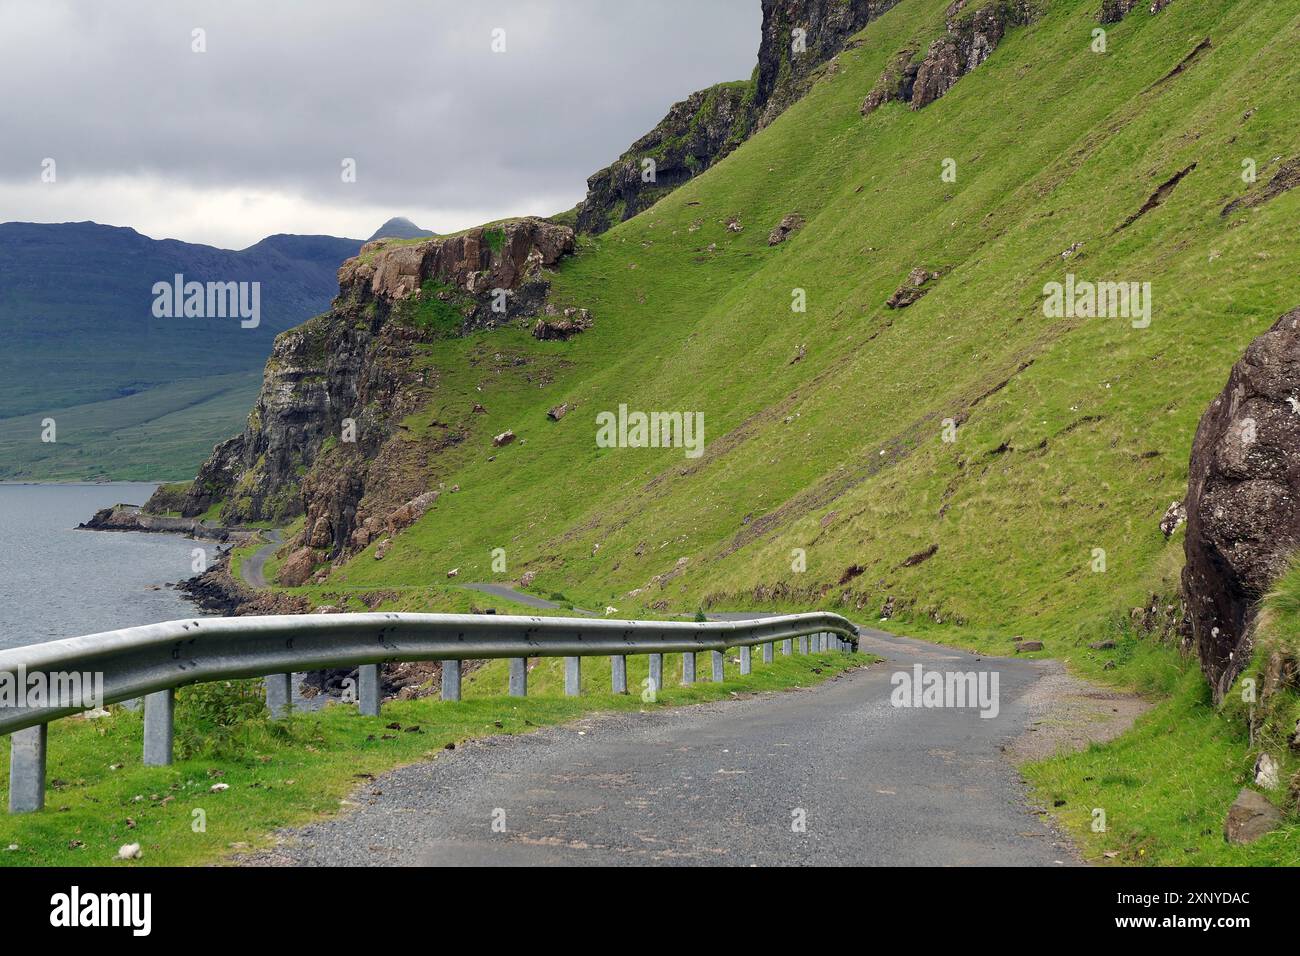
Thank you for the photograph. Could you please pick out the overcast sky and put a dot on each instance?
(248, 138)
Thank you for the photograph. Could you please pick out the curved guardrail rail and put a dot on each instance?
(152, 661)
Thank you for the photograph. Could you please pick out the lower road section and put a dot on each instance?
(835, 774)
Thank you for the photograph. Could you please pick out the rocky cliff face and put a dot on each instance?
(706, 126)
(695, 134)
(1243, 499)
(974, 28)
(321, 439)
(784, 74)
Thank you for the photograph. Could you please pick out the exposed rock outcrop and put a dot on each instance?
(1113, 11)
(695, 134)
(788, 226)
(1243, 499)
(974, 30)
(132, 518)
(895, 83)
(561, 325)
(323, 438)
(918, 282)
(709, 124)
(785, 74)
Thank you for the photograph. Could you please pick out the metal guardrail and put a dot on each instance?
(152, 661)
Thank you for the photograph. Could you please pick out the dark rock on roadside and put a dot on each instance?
(1023, 646)
(1243, 499)
(1250, 817)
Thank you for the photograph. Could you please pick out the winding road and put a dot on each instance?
(723, 783)
(251, 568)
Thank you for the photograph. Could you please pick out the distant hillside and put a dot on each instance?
(399, 227)
(76, 306)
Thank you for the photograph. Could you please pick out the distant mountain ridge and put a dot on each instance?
(76, 311)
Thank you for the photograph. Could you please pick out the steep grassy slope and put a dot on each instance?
(1074, 433)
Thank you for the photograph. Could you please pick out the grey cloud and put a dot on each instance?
(409, 89)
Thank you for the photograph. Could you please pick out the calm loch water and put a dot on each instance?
(57, 582)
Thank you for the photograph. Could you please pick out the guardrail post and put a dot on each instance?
(803, 643)
(746, 659)
(618, 673)
(518, 677)
(451, 680)
(768, 653)
(717, 667)
(573, 676)
(368, 690)
(279, 695)
(27, 769)
(159, 712)
(688, 667)
(787, 647)
(657, 672)
(817, 642)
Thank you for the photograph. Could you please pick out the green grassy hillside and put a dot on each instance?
(1074, 433)
(152, 435)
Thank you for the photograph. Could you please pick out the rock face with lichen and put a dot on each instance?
(709, 124)
(1243, 499)
(323, 439)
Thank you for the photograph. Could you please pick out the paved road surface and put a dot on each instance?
(521, 597)
(718, 784)
(251, 567)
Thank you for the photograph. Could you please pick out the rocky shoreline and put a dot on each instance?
(124, 517)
